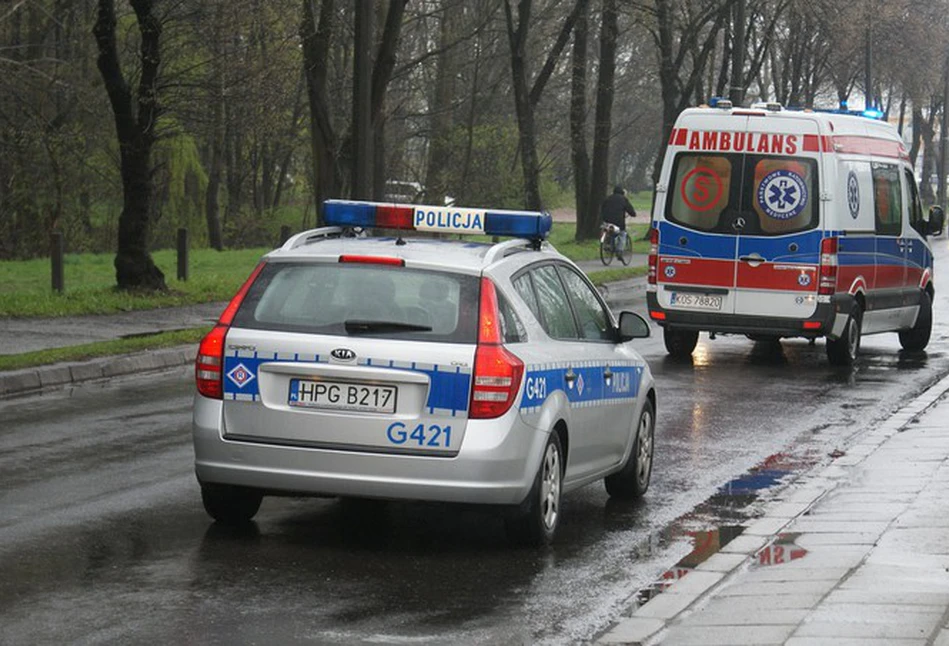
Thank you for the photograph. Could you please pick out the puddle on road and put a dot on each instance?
(724, 512)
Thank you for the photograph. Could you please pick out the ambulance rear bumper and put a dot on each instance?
(828, 320)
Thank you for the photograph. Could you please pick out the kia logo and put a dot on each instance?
(343, 354)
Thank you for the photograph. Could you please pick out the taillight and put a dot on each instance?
(653, 255)
(497, 372)
(209, 364)
(827, 282)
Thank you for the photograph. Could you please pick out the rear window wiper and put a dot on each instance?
(359, 326)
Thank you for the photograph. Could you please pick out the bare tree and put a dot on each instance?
(135, 123)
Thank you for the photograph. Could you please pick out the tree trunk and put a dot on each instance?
(578, 123)
(361, 182)
(327, 177)
(599, 174)
(134, 268)
(439, 149)
(517, 37)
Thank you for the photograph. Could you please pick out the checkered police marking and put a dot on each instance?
(448, 385)
(590, 388)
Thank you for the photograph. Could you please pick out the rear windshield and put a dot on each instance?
(362, 300)
(753, 194)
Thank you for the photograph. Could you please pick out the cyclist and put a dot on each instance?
(614, 210)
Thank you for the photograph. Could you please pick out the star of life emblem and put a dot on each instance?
(782, 194)
(240, 375)
(804, 279)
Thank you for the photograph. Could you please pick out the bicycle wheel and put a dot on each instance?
(606, 249)
(626, 255)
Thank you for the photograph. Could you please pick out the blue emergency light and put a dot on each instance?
(442, 219)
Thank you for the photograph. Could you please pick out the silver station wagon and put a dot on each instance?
(422, 368)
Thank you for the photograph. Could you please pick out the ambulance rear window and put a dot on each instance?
(756, 194)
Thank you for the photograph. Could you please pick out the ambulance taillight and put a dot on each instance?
(827, 283)
(653, 255)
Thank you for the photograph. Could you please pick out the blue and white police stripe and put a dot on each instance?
(590, 386)
(447, 394)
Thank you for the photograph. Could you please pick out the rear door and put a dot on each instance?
(355, 357)
(698, 238)
(741, 232)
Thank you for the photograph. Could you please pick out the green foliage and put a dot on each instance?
(604, 276)
(180, 182)
(562, 237)
(90, 279)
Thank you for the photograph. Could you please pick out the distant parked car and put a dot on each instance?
(403, 192)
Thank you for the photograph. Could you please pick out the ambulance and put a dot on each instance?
(775, 223)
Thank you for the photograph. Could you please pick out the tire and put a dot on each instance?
(844, 351)
(606, 250)
(632, 481)
(680, 343)
(916, 338)
(626, 255)
(535, 522)
(229, 504)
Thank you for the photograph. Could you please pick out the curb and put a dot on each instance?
(648, 622)
(31, 380)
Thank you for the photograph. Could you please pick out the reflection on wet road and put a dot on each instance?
(103, 538)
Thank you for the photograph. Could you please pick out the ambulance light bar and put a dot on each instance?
(442, 219)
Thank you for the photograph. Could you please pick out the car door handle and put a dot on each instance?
(754, 259)
(607, 374)
(570, 377)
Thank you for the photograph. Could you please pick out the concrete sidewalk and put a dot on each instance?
(854, 553)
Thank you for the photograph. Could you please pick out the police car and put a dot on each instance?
(422, 369)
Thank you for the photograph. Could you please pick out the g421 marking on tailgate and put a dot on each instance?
(420, 434)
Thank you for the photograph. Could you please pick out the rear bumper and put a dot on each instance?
(827, 320)
(496, 464)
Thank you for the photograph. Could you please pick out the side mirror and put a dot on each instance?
(632, 326)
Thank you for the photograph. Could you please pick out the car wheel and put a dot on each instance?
(229, 504)
(535, 522)
(917, 337)
(680, 343)
(844, 351)
(632, 481)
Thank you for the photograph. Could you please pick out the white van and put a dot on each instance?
(776, 223)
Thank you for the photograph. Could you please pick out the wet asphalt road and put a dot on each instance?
(103, 538)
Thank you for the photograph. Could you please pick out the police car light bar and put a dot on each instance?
(443, 219)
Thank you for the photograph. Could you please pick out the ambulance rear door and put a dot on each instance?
(698, 239)
(779, 242)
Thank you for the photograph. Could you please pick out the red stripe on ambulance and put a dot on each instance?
(696, 271)
(792, 278)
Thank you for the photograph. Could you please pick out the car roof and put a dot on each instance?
(463, 256)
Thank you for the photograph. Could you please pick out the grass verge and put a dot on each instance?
(102, 349)
(612, 275)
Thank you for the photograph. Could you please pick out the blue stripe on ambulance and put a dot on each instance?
(718, 246)
(590, 388)
(448, 391)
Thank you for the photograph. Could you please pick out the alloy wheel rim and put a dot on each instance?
(644, 461)
(550, 487)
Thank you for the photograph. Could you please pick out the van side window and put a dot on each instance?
(915, 208)
(699, 190)
(887, 199)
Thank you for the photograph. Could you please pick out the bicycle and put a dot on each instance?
(609, 238)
